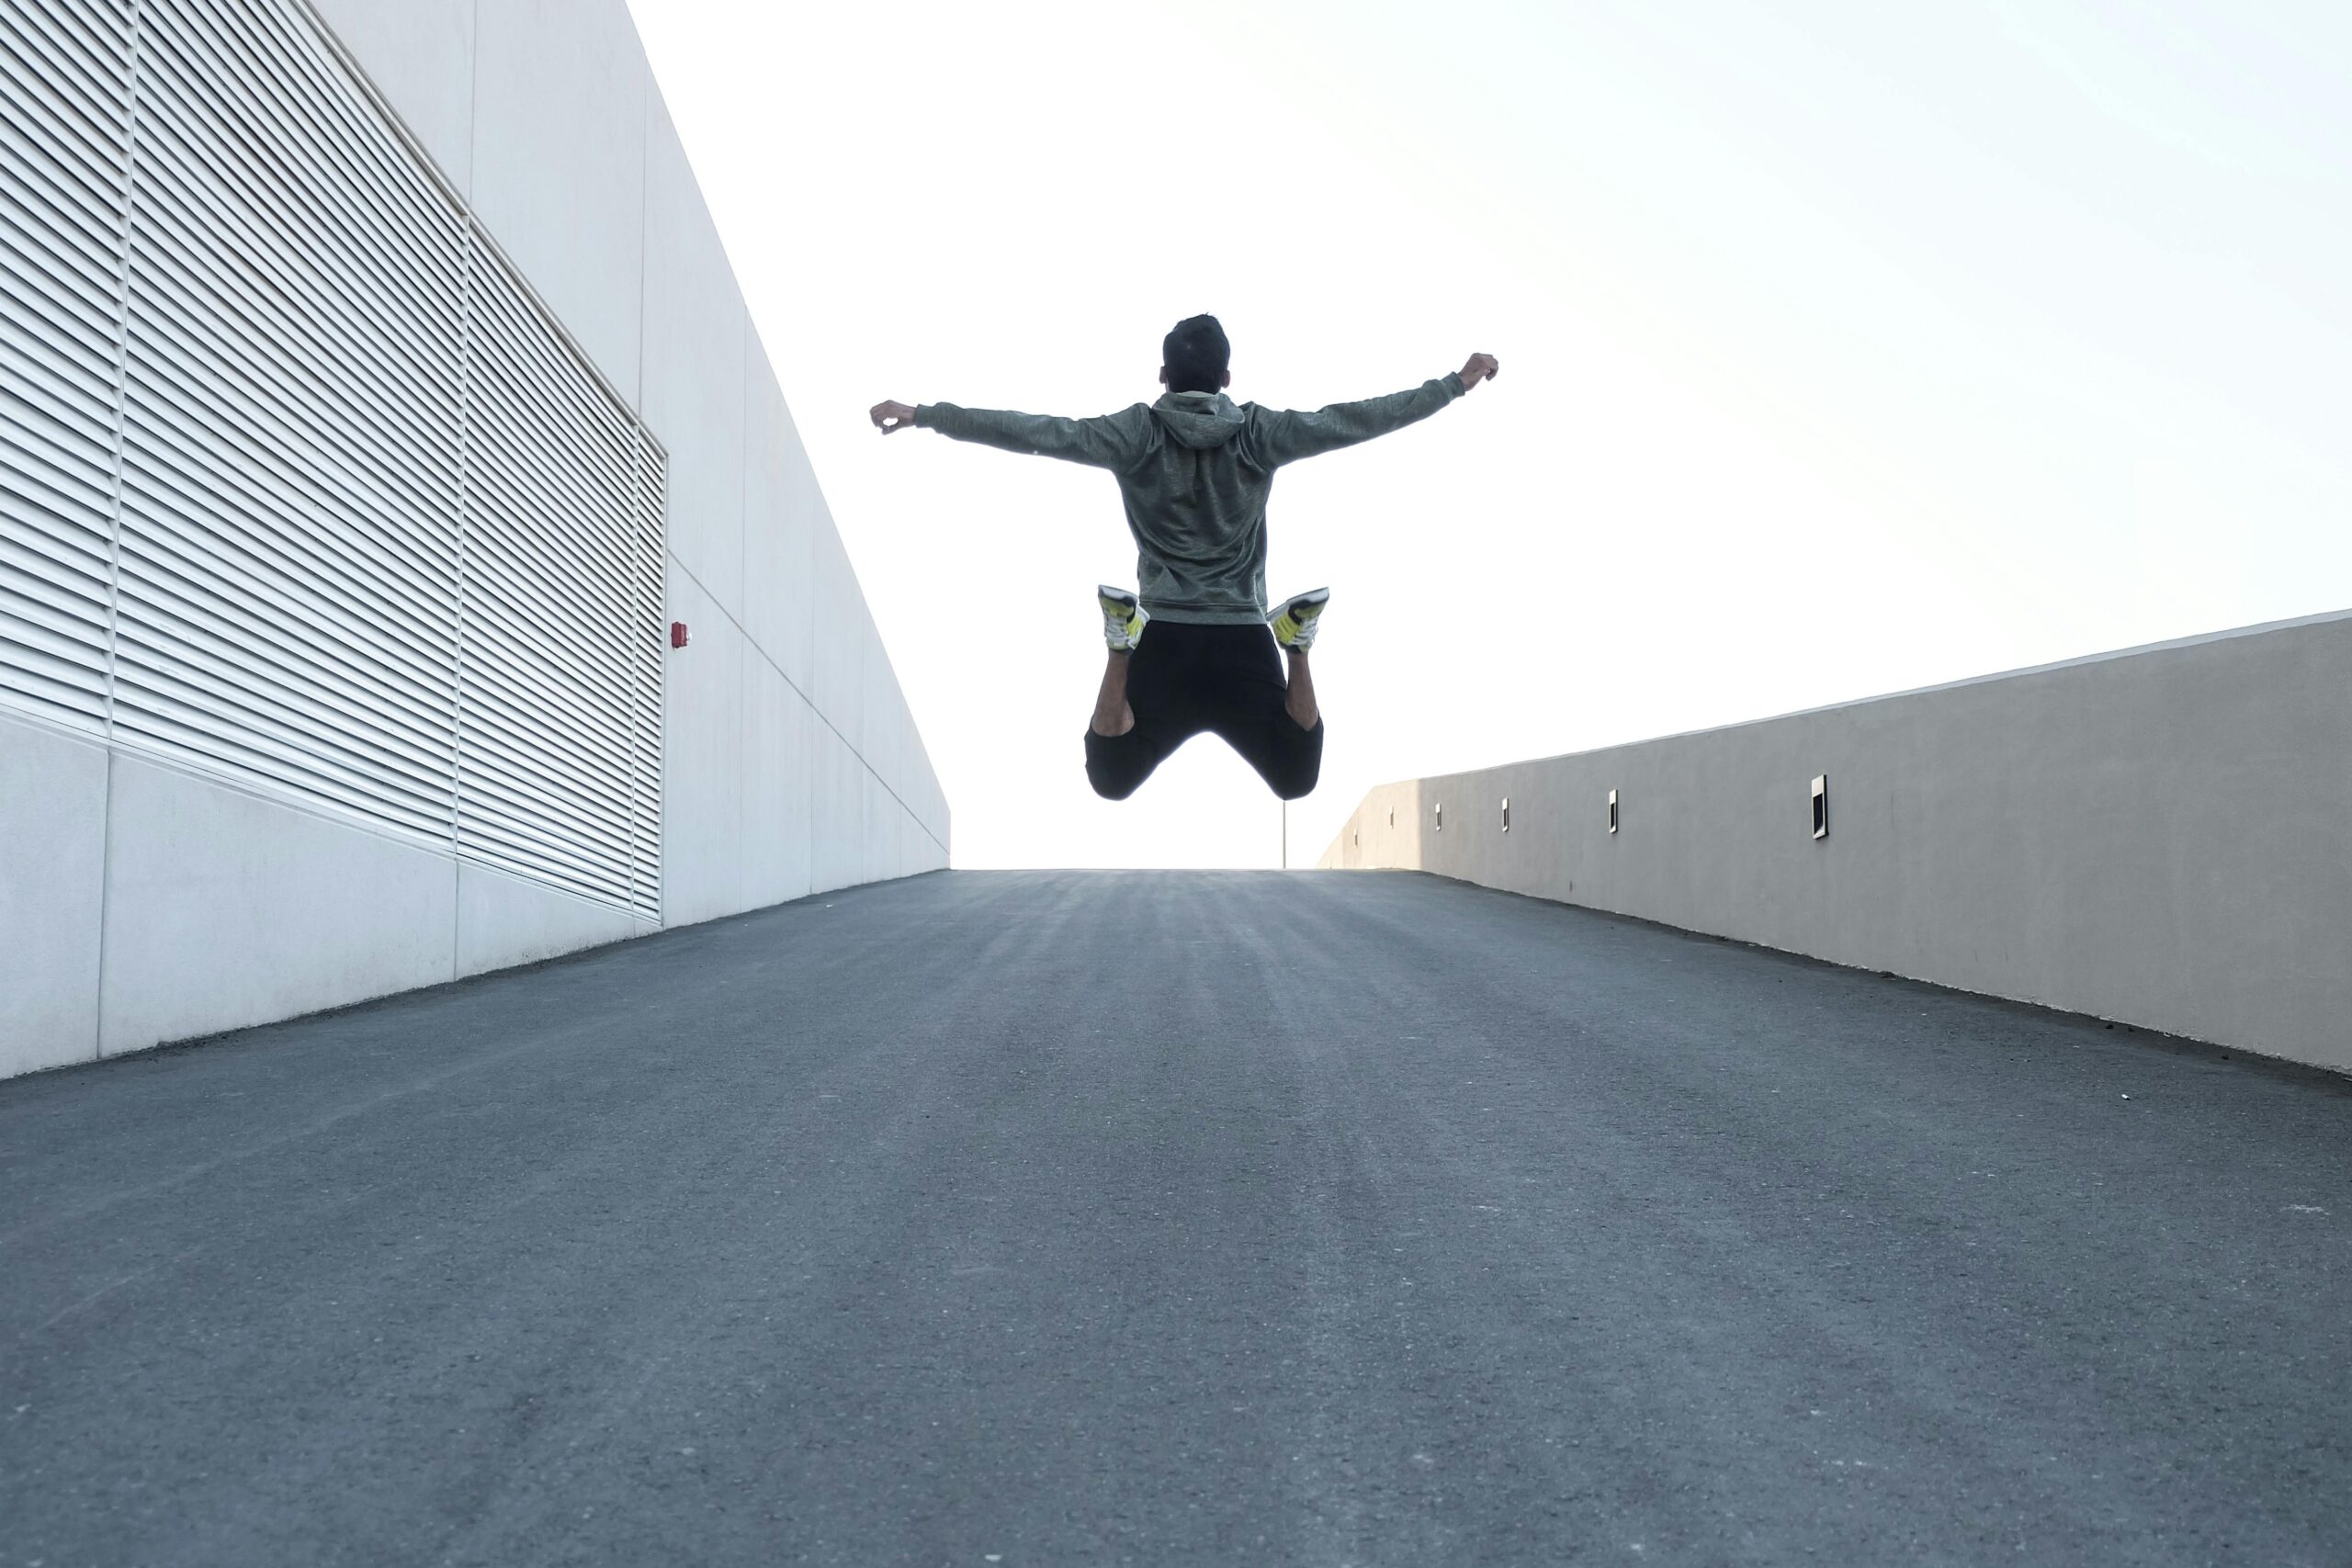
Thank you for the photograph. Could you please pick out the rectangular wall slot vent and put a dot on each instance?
(1506, 814)
(1821, 806)
(300, 485)
(1612, 810)
(1441, 817)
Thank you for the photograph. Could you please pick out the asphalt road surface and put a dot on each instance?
(1062, 1218)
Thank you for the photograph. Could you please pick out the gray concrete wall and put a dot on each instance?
(141, 901)
(2162, 837)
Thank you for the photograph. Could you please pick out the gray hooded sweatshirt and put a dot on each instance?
(1194, 469)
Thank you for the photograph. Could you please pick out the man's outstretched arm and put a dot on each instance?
(1111, 441)
(1286, 437)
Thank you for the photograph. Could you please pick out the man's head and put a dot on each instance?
(1193, 357)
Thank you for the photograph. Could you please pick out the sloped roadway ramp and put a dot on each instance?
(1066, 1218)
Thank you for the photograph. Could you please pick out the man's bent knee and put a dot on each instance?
(1113, 789)
(1111, 765)
(1297, 773)
(1298, 781)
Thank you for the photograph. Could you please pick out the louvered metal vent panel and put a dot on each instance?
(65, 173)
(559, 654)
(298, 482)
(291, 426)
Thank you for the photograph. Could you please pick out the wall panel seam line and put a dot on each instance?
(751, 642)
(106, 886)
(473, 93)
(743, 462)
(636, 460)
(636, 751)
(645, 103)
(122, 358)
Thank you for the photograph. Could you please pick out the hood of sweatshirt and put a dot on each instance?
(1200, 420)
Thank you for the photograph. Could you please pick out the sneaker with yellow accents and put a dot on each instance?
(1295, 621)
(1123, 618)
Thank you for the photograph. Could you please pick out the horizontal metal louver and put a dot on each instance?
(64, 178)
(556, 644)
(298, 482)
(291, 433)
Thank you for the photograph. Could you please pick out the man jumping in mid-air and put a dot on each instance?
(1194, 469)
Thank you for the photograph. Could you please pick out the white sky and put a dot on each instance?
(1846, 347)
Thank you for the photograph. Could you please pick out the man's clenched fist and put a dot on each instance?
(1482, 367)
(889, 418)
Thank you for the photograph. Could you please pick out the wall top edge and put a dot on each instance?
(2172, 645)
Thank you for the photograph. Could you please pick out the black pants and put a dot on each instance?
(1228, 681)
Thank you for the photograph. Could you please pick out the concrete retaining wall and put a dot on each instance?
(142, 902)
(2161, 836)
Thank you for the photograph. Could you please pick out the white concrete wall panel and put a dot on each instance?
(880, 739)
(696, 334)
(935, 813)
(503, 920)
(782, 511)
(902, 849)
(912, 780)
(52, 876)
(559, 164)
(922, 848)
(908, 783)
(702, 867)
(226, 908)
(908, 831)
(838, 687)
(837, 825)
(778, 786)
(420, 55)
(877, 836)
(2162, 837)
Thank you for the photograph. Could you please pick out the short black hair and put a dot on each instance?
(1195, 354)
